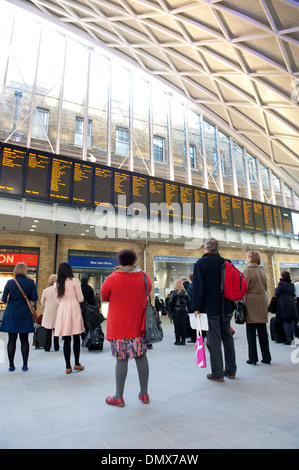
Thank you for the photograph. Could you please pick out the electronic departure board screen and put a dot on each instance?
(42, 176)
(82, 184)
(140, 195)
(248, 215)
(61, 178)
(13, 164)
(156, 195)
(122, 190)
(269, 219)
(38, 170)
(278, 221)
(226, 210)
(237, 209)
(287, 222)
(258, 217)
(214, 208)
(103, 180)
(187, 202)
(200, 197)
(172, 199)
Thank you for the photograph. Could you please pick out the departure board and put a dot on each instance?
(226, 210)
(237, 209)
(248, 215)
(82, 184)
(258, 217)
(103, 178)
(140, 195)
(278, 220)
(200, 197)
(269, 219)
(187, 202)
(156, 195)
(214, 208)
(122, 190)
(38, 168)
(172, 199)
(61, 178)
(13, 164)
(42, 176)
(287, 222)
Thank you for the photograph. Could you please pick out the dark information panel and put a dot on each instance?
(237, 209)
(200, 197)
(103, 180)
(61, 180)
(38, 175)
(82, 184)
(37, 179)
(140, 194)
(13, 164)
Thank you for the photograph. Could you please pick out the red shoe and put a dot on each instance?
(118, 402)
(144, 398)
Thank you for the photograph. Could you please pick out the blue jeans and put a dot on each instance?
(219, 333)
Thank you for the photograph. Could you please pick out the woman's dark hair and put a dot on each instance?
(64, 272)
(286, 275)
(127, 257)
(84, 280)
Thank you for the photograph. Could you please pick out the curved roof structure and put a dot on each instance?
(237, 60)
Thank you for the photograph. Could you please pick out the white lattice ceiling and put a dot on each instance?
(237, 59)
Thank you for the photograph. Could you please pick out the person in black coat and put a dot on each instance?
(208, 298)
(286, 311)
(179, 306)
(87, 291)
(17, 318)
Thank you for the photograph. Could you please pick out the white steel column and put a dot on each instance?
(220, 169)
(169, 132)
(151, 130)
(187, 147)
(131, 152)
(247, 179)
(57, 148)
(86, 109)
(109, 106)
(34, 91)
(234, 170)
(204, 157)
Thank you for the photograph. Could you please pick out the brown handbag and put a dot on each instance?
(31, 307)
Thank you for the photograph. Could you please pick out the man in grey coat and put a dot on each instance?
(208, 298)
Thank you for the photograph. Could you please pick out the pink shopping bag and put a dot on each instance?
(200, 355)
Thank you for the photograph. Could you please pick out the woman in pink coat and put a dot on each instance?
(69, 321)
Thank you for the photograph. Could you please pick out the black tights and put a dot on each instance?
(67, 349)
(11, 347)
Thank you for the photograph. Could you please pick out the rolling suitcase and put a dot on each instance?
(39, 337)
(276, 331)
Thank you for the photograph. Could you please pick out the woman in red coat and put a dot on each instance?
(125, 291)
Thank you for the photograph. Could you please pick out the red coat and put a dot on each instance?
(125, 292)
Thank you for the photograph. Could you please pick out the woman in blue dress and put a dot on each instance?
(17, 318)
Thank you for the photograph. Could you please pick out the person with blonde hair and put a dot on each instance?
(17, 318)
(256, 306)
(50, 304)
(179, 307)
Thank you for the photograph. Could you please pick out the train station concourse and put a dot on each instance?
(149, 125)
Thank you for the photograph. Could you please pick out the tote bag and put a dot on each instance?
(200, 355)
(153, 324)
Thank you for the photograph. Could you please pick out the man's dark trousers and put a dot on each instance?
(219, 333)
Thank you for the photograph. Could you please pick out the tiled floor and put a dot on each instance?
(46, 409)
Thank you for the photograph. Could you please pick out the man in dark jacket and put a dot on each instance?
(208, 298)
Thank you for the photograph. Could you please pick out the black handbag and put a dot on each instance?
(272, 307)
(240, 313)
(153, 324)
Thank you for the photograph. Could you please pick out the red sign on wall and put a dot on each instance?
(11, 259)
